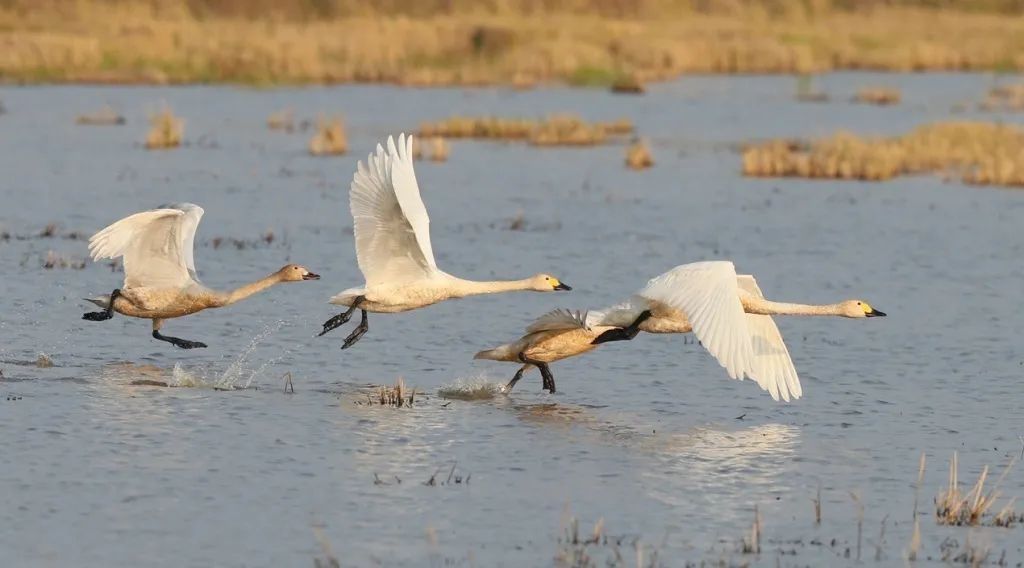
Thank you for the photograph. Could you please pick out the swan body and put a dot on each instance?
(730, 316)
(393, 248)
(558, 335)
(160, 276)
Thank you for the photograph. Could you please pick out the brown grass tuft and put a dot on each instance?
(881, 96)
(396, 396)
(629, 84)
(980, 153)
(1004, 98)
(439, 149)
(638, 156)
(555, 130)
(165, 131)
(329, 139)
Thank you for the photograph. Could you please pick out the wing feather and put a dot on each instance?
(559, 319)
(707, 293)
(157, 246)
(390, 222)
(771, 366)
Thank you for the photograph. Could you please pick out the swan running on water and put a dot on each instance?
(726, 311)
(160, 273)
(392, 236)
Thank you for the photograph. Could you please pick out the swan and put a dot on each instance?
(392, 237)
(730, 316)
(159, 270)
(557, 335)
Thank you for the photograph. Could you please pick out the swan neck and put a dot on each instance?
(770, 308)
(472, 287)
(244, 292)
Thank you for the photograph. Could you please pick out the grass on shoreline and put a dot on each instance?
(584, 42)
(978, 153)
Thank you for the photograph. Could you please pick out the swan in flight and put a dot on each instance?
(392, 237)
(160, 272)
(558, 335)
(729, 316)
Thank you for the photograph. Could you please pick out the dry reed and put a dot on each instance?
(106, 116)
(397, 396)
(165, 131)
(628, 85)
(469, 43)
(638, 156)
(554, 130)
(980, 153)
(881, 96)
(439, 149)
(329, 139)
(954, 507)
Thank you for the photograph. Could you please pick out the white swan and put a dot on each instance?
(392, 236)
(731, 318)
(554, 336)
(160, 272)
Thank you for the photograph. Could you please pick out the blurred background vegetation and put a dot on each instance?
(518, 42)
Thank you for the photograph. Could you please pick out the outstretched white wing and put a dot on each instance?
(156, 246)
(392, 229)
(708, 294)
(559, 319)
(770, 366)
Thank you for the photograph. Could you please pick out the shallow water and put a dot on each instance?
(231, 471)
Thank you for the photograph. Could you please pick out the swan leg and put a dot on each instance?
(104, 314)
(358, 332)
(623, 333)
(176, 341)
(545, 372)
(342, 319)
(516, 377)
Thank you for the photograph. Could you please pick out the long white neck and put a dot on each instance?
(461, 288)
(243, 292)
(769, 308)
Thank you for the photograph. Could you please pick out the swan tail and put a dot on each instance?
(101, 301)
(500, 353)
(345, 298)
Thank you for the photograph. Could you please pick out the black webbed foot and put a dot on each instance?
(178, 342)
(335, 322)
(97, 316)
(358, 332)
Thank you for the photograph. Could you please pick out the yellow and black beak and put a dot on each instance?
(874, 314)
(563, 286)
(311, 276)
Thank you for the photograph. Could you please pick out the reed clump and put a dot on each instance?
(439, 149)
(638, 156)
(629, 84)
(165, 131)
(106, 116)
(329, 139)
(979, 153)
(881, 96)
(396, 396)
(554, 130)
(955, 507)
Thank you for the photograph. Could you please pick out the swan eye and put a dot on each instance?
(859, 304)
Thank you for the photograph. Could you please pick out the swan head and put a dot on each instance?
(859, 309)
(296, 273)
(547, 283)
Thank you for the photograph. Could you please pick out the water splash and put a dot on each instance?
(229, 379)
(472, 388)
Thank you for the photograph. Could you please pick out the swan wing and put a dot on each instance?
(619, 315)
(559, 319)
(390, 222)
(707, 292)
(770, 366)
(157, 246)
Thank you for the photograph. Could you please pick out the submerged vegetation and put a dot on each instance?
(977, 152)
(396, 396)
(581, 42)
(881, 96)
(954, 507)
(638, 156)
(106, 116)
